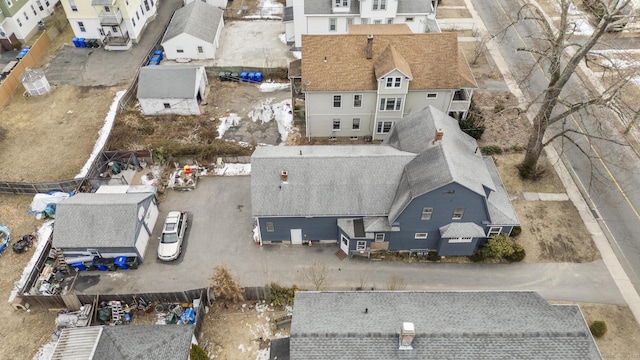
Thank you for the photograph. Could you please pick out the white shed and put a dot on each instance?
(171, 89)
(194, 32)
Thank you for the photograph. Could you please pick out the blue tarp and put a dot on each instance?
(4, 238)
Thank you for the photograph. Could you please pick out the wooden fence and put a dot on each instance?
(18, 188)
(12, 82)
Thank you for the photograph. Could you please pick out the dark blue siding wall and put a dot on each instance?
(443, 201)
(459, 249)
(317, 228)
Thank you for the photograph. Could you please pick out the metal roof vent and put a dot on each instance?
(407, 333)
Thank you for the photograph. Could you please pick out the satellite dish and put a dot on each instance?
(2, 33)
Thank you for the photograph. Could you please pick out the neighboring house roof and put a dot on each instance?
(168, 82)
(435, 60)
(437, 164)
(414, 7)
(501, 210)
(378, 29)
(448, 325)
(98, 220)
(325, 180)
(131, 342)
(197, 19)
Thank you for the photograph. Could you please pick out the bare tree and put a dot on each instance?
(549, 50)
(479, 46)
(396, 282)
(317, 274)
(225, 286)
(363, 279)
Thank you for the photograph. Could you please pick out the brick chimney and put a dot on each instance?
(369, 46)
(284, 176)
(437, 136)
(407, 333)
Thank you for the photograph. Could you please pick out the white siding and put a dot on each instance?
(30, 26)
(189, 45)
(91, 25)
(177, 106)
(222, 4)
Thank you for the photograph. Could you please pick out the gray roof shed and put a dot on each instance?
(98, 220)
(197, 19)
(448, 325)
(168, 82)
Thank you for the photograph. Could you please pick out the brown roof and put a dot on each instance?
(339, 63)
(379, 29)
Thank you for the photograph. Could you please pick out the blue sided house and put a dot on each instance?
(426, 188)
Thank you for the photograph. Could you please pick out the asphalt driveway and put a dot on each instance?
(220, 233)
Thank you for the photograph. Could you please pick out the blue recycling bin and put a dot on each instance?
(158, 53)
(252, 77)
(79, 266)
(121, 262)
(82, 43)
(244, 76)
(156, 59)
(75, 42)
(259, 77)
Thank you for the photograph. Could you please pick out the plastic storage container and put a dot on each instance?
(158, 53)
(259, 77)
(104, 264)
(75, 42)
(121, 262)
(82, 43)
(79, 266)
(244, 76)
(156, 59)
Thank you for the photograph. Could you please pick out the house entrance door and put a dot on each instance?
(296, 236)
(344, 244)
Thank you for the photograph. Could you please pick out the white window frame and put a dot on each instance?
(33, 8)
(81, 26)
(492, 231)
(72, 5)
(460, 240)
(383, 4)
(376, 4)
(166, 105)
(380, 127)
(200, 50)
(333, 24)
(355, 124)
(427, 213)
(180, 51)
(361, 245)
(133, 21)
(18, 21)
(421, 236)
(269, 226)
(364, 21)
(39, 3)
(357, 100)
(339, 101)
(26, 16)
(408, 19)
(377, 22)
(337, 122)
(458, 213)
(390, 21)
(9, 3)
(394, 103)
(379, 237)
(432, 95)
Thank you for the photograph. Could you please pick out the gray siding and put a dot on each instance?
(417, 100)
(320, 114)
(316, 228)
(457, 249)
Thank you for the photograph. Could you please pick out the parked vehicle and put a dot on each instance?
(173, 231)
(5, 238)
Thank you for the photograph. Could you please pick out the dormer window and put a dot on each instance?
(342, 3)
(379, 4)
(394, 82)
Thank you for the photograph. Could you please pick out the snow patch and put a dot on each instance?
(103, 134)
(234, 170)
(46, 351)
(273, 86)
(226, 123)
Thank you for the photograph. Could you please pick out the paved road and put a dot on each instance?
(611, 172)
(220, 234)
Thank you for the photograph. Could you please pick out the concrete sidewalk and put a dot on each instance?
(609, 259)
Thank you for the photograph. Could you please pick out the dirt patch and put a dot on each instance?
(448, 13)
(50, 137)
(549, 183)
(240, 331)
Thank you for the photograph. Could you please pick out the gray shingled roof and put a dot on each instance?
(197, 19)
(448, 325)
(414, 7)
(325, 180)
(501, 211)
(98, 220)
(467, 229)
(168, 82)
(314, 7)
(439, 164)
(145, 342)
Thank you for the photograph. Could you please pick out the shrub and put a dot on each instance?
(598, 328)
(225, 286)
(517, 230)
(433, 256)
(498, 107)
(491, 150)
(477, 256)
(197, 353)
(518, 253)
(473, 124)
(282, 296)
(498, 246)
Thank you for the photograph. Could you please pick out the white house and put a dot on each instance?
(359, 84)
(334, 16)
(194, 32)
(116, 23)
(19, 18)
(171, 89)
